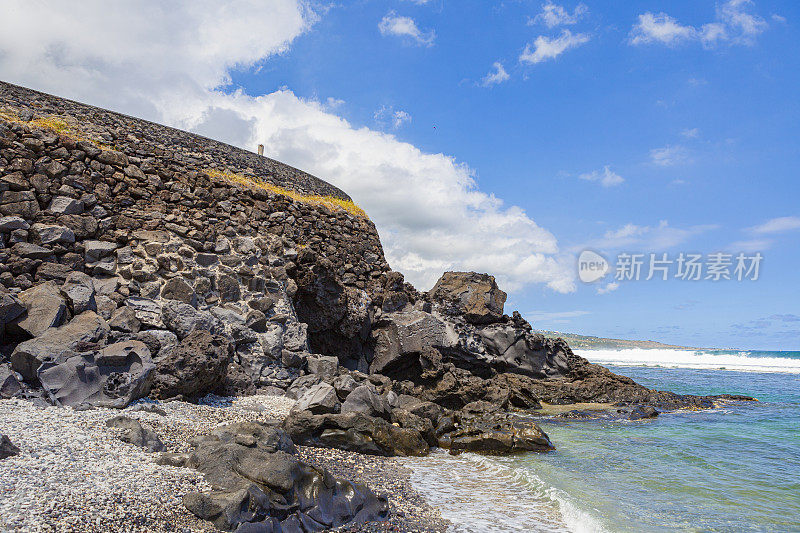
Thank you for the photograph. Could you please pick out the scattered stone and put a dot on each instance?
(134, 433)
(7, 448)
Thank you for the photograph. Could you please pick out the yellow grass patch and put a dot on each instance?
(52, 123)
(312, 199)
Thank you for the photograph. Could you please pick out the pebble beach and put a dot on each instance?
(73, 474)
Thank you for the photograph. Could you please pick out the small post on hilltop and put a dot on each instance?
(260, 149)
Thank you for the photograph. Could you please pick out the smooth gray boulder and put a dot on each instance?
(82, 332)
(80, 292)
(319, 399)
(113, 377)
(134, 433)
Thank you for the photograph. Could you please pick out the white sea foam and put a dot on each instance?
(703, 359)
(480, 494)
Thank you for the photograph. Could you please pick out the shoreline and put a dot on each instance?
(74, 474)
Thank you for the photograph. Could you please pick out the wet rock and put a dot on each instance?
(496, 433)
(134, 433)
(475, 296)
(196, 367)
(112, 377)
(260, 485)
(639, 412)
(354, 432)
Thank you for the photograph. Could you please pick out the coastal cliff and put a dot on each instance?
(139, 261)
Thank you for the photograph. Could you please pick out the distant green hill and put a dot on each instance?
(587, 342)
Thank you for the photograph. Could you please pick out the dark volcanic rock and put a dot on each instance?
(7, 448)
(136, 434)
(196, 367)
(365, 400)
(319, 399)
(496, 433)
(475, 296)
(354, 432)
(113, 377)
(260, 485)
(84, 330)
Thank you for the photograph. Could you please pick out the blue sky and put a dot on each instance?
(502, 136)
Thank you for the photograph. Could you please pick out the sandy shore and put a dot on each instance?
(74, 475)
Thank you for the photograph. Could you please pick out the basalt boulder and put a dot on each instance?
(259, 484)
(7, 448)
(196, 367)
(112, 377)
(474, 296)
(354, 432)
(134, 433)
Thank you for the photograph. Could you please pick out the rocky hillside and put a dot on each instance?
(141, 261)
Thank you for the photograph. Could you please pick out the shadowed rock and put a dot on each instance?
(7, 448)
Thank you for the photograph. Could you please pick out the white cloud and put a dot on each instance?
(553, 15)
(692, 133)
(659, 28)
(635, 238)
(170, 64)
(388, 116)
(549, 48)
(733, 24)
(606, 177)
(495, 76)
(777, 225)
(778, 18)
(394, 24)
(608, 287)
(669, 155)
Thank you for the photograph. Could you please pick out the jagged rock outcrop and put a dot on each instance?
(7, 448)
(260, 485)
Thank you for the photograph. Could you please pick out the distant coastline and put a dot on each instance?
(589, 342)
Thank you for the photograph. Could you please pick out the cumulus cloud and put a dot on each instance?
(545, 48)
(497, 75)
(172, 64)
(669, 155)
(553, 15)
(405, 27)
(606, 177)
(777, 225)
(733, 24)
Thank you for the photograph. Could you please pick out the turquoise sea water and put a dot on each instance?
(735, 468)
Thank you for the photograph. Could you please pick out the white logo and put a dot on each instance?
(591, 266)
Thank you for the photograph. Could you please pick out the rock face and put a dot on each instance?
(195, 367)
(260, 485)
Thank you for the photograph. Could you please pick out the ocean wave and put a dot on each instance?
(742, 361)
(480, 494)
